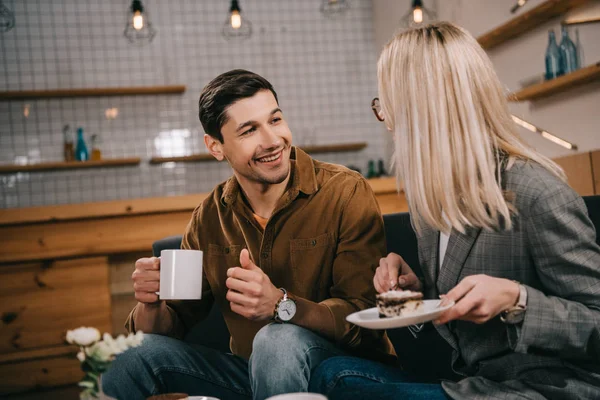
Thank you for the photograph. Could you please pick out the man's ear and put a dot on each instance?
(214, 147)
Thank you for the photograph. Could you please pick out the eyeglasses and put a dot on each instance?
(376, 107)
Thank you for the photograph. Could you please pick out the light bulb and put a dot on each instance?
(236, 20)
(138, 20)
(417, 15)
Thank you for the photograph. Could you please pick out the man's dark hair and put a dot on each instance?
(222, 92)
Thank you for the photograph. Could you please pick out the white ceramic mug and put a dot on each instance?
(180, 275)
(298, 396)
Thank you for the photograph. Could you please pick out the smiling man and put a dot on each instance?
(290, 246)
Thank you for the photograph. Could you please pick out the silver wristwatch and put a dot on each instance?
(285, 309)
(516, 314)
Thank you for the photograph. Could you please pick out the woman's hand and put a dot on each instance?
(394, 273)
(479, 298)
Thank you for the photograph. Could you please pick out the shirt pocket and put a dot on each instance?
(217, 261)
(311, 262)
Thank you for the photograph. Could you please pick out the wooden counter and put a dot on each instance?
(78, 230)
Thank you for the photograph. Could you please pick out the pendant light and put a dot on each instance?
(236, 26)
(139, 29)
(418, 15)
(7, 18)
(334, 7)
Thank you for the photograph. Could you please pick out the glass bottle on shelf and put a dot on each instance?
(371, 173)
(68, 149)
(553, 58)
(96, 152)
(380, 168)
(568, 52)
(81, 150)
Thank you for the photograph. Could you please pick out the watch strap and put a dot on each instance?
(520, 307)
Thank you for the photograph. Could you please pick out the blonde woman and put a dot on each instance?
(499, 232)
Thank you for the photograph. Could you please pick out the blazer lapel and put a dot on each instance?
(429, 243)
(459, 247)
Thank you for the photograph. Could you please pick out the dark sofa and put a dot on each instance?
(427, 355)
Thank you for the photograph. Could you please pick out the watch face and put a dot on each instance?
(286, 310)
(515, 316)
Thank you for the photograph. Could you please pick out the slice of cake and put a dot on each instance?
(397, 303)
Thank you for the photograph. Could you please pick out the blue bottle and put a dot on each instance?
(553, 58)
(568, 52)
(81, 150)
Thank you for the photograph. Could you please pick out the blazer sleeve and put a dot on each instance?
(563, 318)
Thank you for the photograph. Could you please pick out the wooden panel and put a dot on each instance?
(596, 170)
(529, 20)
(121, 288)
(121, 268)
(121, 307)
(129, 207)
(578, 168)
(39, 374)
(91, 92)
(70, 392)
(60, 165)
(557, 85)
(101, 209)
(40, 302)
(385, 185)
(392, 203)
(44, 352)
(88, 237)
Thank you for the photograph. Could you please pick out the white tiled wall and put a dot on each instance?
(324, 70)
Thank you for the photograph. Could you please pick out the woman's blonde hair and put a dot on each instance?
(445, 105)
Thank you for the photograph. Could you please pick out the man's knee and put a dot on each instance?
(284, 339)
(135, 363)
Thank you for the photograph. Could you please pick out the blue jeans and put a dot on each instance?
(342, 378)
(283, 358)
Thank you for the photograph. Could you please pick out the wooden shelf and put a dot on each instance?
(332, 148)
(190, 158)
(531, 19)
(557, 85)
(49, 166)
(91, 92)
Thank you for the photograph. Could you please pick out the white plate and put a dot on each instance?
(201, 398)
(369, 318)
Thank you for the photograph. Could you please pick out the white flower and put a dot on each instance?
(86, 384)
(122, 344)
(136, 339)
(83, 336)
(100, 351)
(111, 344)
(81, 356)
